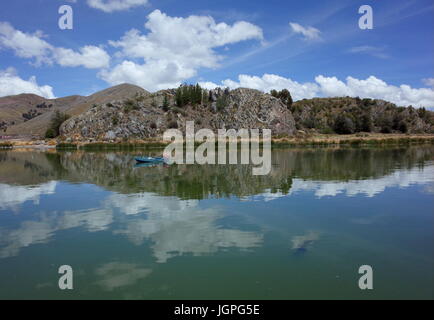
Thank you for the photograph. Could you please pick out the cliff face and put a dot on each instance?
(146, 116)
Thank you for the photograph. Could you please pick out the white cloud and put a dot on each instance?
(370, 50)
(24, 45)
(90, 57)
(376, 88)
(29, 46)
(428, 82)
(209, 85)
(309, 33)
(369, 187)
(115, 5)
(371, 87)
(174, 49)
(12, 84)
(13, 196)
(271, 81)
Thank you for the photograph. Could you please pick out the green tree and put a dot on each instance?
(344, 125)
(284, 96)
(165, 103)
(56, 121)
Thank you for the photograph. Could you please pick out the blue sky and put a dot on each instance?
(313, 48)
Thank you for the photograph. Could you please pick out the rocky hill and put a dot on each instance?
(29, 114)
(347, 115)
(150, 115)
(130, 112)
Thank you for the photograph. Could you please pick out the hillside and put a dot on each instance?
(347, 115)
(149, 116)
(130, 112)
(12, 108)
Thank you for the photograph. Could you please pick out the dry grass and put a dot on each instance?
(316, 140)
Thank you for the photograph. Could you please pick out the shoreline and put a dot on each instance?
(312, 140)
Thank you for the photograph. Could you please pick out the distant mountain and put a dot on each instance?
(29, 114)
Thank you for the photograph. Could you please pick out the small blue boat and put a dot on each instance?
(149, 159)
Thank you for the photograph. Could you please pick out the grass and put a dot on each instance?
(66, 146)
(121, 146)
(323, 140)
(354, 141)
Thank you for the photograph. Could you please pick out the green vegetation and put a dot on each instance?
(130, 105)
(122, 146)
(189, 94)
(56, 121)
(344, 125)
(165, 103)
(223, 101)
(66, 146)
(173, 125)
(354, 141)
(284, 96)
(347, 115)
(30, 114)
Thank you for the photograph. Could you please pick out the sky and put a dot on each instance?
(313, 48)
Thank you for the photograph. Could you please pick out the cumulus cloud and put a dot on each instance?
(11, 84)
(90, 57)
(24, 45)
(33, 46)
(308, 33)
(271, 81)
(115, 5)
(371, 87)
(174, 49)
(376, 88)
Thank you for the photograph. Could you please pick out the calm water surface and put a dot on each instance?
(217, 232)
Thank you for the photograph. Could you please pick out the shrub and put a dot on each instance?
(173, 125)
(222, 102)
(130, 105)
(165, 103)
(284, 96)
(344, 125)
(50, 134)
(385, 123)
(56, 121)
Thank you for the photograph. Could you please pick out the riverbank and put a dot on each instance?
(312, 140)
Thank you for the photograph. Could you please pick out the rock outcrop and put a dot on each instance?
(146, 116)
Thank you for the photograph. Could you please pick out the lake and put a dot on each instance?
(217, 231)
